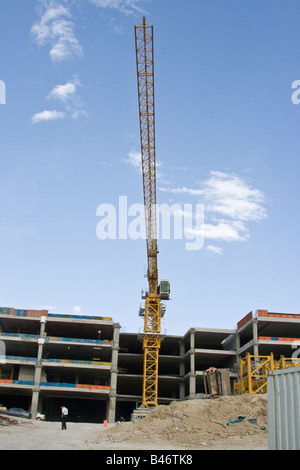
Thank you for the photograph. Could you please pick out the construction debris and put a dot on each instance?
(194, 422)
(7, 420)
(216, 382)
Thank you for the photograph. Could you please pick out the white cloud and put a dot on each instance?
(47, 116)
(183, 190)
(228, 195)
(230, 203)
(135, 159)
(124, 6)
(214, 249)
(228, 231)
(79, 112)
(64, 92)
(77, 310)
(231, 196)
(56, 28)
(224, 230)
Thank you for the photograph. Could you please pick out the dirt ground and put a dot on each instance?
(202, 424)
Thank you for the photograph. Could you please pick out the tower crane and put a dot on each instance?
(154, 308)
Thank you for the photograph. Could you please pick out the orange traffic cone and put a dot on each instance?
(105, 423)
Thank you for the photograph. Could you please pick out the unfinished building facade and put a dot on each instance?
(87, 364)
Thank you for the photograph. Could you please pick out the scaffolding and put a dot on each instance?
(254, 370)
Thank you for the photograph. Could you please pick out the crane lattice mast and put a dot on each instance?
(152, 311)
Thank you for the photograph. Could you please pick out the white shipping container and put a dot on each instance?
(284, 409)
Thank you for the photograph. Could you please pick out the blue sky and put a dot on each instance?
(227, 137)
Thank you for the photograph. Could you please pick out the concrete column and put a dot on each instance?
(192, 381)
(255, 337)
(237, 348)
(111, 414)
(38, 370)
(237, 342)
(181, 371)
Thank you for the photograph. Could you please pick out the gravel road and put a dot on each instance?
(39, 435)
(42, 435)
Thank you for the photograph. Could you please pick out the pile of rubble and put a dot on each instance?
(200, 423)
(7, 420)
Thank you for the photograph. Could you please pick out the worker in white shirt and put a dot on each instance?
(64, 416)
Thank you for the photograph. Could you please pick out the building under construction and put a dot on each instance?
(86, 363)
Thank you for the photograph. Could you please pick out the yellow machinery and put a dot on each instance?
(254, 370)
(153, 306)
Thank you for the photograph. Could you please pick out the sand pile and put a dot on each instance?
(199, 423)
